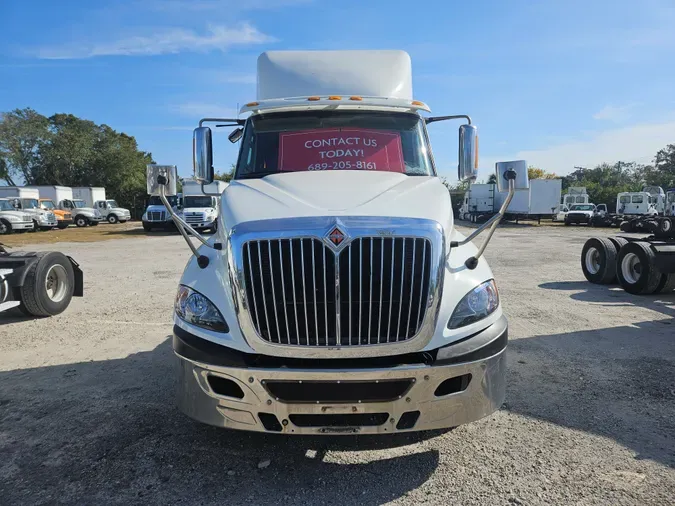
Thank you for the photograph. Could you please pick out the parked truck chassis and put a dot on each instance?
(39, 284)
(641, 266)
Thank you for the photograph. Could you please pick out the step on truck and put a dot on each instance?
(94, 197)
(27, 200)
(337, 296)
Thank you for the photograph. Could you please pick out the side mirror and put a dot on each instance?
(468, 153)
(235, 135)
(168, 172)
(202, 155)
(521, 182)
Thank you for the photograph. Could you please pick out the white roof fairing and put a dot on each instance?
(368, 73)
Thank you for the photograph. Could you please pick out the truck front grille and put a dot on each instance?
(194, 217)
(374, 291)
(157, 215)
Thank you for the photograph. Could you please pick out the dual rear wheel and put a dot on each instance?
(632, 264)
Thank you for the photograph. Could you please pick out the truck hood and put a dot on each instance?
(20, 215)
(336, 193)
(196, 209)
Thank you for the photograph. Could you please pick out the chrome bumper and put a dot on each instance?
(22, 225)
(483, 395)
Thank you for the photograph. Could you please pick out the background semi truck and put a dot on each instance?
(156, 216)
(337, 296)
(27, 200)
(200, 209)
(94, 197)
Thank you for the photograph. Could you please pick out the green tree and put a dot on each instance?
(537, 173)
(663, 172)
(23, 133)
(225, 176)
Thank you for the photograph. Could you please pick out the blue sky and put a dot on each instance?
(561, 84)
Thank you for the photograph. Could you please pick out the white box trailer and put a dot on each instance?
(89, 194)
(539, 201)
(56, 194)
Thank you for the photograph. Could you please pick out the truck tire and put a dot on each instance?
(666, 226)
(636, 269)
(93, 223)
(147, 227)
(49, 285)
(618, 243)
(5, 227)
(567, 223)
(667, 283)
(214, 228)
(81, 221)
(62, 226)
(626, 226)
(112, 219)
(598, 260)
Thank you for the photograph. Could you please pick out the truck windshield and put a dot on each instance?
(582, 208)
(29, 204)
(156, 201)
(334, 140)
(78, 203)
(47, 204)
(112, 203)
(197, 201)
(6, 206)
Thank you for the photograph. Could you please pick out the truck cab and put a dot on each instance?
(12, 220)
(338, 296)
(201, 208)
(156, 216)
(111, 212)
(63, 218)
(82, 214)
(580, 214)
(639, 204)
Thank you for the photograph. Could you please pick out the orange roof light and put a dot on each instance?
(355, 98)
(418, 103)
(252, 104)
(335, 97)
(313, 99)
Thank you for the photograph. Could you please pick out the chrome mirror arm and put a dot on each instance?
(472, 262)
(181, 224)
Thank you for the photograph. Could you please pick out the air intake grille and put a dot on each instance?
(157, 215)
(300, 292)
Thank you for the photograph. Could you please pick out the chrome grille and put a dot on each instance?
(157, 216)
(300, 292)
(194, 217)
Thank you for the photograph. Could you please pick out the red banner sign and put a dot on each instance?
(341, 149)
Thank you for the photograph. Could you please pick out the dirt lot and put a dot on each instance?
(87, 414)
(101, 232)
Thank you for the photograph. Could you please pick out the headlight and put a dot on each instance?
(476, 305)
(194, 308)
(14, 219)
(97, 213)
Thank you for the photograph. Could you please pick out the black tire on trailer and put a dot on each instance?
(666, 226)
(667, 283)
(81, 221)
(626, 226)
(618, 243)
(636, 269)
(5, 227)
(598, 260)
(48, 286)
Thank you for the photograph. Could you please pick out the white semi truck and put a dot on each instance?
(26, 200)
(201, 206)
(94, 197)
(12, 220)
(337, 296)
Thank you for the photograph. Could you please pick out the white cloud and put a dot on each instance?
(200, 110)
(163, 41)
(637, 143)
(220, 5)
(614, 113)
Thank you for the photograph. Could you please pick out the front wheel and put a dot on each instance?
(147, 227)
(5, 227)
(81, 221)
(61, 226)
(112, 219)
(48, 286)
(567, 223)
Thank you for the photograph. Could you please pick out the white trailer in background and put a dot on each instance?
(541, 201)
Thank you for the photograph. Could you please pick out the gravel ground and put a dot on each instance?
(87, 413)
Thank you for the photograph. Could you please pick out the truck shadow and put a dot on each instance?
(615, 382)
(108, 431)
